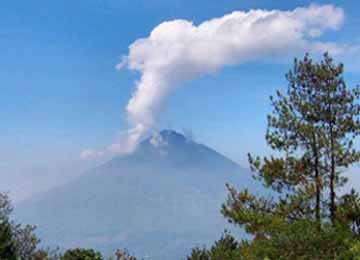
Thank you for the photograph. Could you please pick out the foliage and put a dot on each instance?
(25, 241)
(17, 241)
(198, 253)
(225, 248)
(5, 206)
(123, 255)
(7, 249)
(348, 211)
(81, 254)
(312, 129)
(303, 240)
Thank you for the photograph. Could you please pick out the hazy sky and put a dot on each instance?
(61, 92)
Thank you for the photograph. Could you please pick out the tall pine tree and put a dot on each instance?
(312, 130)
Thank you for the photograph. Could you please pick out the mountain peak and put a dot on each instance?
(170, 149)
(169, 132)
(166, 137)
(171, 135)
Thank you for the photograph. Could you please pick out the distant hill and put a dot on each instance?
(157, 202)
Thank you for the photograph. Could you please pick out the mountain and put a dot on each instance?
(158, 202)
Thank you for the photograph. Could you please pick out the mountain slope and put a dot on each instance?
(158, 202)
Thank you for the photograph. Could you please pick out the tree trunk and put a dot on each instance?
(317, 181)
(332, 177)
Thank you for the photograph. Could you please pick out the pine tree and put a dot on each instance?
(332, 111)
(312, 129)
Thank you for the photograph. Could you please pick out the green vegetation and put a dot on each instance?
(16, 241)
(312, 130)
(225, 248)
(81, 254)
(7, 248)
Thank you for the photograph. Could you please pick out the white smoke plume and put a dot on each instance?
(178, 51)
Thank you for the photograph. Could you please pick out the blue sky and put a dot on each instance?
(61, 93)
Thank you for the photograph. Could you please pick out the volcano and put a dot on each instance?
(158, 202)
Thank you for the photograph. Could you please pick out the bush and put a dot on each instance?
(81, 254)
